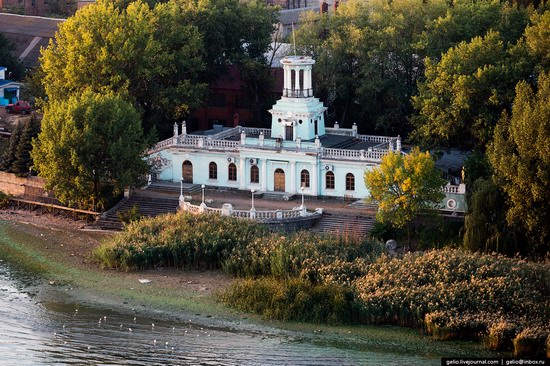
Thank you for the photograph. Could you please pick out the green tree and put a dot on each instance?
(521, 161)
(404, 186)
(150, 55)
(485, 226)
(90, 148)
(9, 155)
(537, 37)
(16, 71)
(23, 161)
(464, 93)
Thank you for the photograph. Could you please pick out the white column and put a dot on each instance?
(287, 78)
(307, 79)
(263, 177)
(297, 79)
(292, 177)
(242, 173)
(315, 179)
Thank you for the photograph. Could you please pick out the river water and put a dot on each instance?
(64, 333)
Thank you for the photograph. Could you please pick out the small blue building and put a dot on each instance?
(9, 89)
(298, 154)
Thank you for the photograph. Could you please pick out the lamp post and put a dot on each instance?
(252, 208)
(203, 186)
(302, 189)
(181, 190)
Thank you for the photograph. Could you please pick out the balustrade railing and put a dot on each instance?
(460, 189)
(256, 131)
(374, 139)
(339, 131)
(274, 215)
(297, 93)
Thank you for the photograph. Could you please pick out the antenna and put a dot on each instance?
(294, 38)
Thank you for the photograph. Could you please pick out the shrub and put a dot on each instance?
(294, 299)
(500, 335)
(4, 199)
(130, 215)
(530, 341)
(457, 286)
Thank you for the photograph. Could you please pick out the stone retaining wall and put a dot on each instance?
(18, 187)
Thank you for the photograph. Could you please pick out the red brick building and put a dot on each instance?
(229, 103)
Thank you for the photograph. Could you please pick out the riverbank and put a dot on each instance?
(60, 250)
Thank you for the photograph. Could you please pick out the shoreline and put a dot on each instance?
(61, 249)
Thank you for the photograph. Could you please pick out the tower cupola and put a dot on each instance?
(298, 114)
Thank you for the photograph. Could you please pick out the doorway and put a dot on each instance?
(187, 171)
(279, 180)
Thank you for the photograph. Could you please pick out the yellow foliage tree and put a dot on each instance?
(403, 186)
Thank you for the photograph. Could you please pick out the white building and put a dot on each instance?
(298, 152)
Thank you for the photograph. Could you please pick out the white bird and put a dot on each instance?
(152, 325)
(134, 319)
(129, 329)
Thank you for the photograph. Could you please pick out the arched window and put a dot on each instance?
(212, 171)
(232, 172)
(329, 180)
(304, 179)
(254, 174)
(350, 182)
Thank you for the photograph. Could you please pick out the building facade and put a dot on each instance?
(298, 154)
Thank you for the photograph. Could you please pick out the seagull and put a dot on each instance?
(152, 325)
(129, 329)
(134, 319)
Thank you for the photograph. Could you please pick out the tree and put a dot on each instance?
(485, 226)
(464, 93)
(404, 186)
(9, 155)
(23, 161)
(90, 148)
(16, 71)
(521, 161)
(149, 55)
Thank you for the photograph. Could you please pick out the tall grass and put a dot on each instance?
(177, 240)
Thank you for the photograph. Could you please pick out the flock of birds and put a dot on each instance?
(103, 320)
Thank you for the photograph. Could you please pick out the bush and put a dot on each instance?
(294, 299)
(177, 240)
(530, 341)
(452, 290)
(130, 215)
(4, 200)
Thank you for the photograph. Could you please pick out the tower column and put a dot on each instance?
(287, 78)
(297, 79)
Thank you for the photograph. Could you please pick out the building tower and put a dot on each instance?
(298, 114)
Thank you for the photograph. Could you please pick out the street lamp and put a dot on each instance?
(252, 208)
(181, 190)
(203, 186)
(302, 188)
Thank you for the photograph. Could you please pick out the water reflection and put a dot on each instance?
(60, 333)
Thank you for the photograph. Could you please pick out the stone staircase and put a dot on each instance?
(357, 226)
(148, 205)
(173, 188)
(278, 196)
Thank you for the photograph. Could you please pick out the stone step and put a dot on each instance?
(278, 196)
(174, 188)
(348, 225)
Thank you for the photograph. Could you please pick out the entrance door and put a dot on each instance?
(289, 136)
(187, 171)
(279, 180)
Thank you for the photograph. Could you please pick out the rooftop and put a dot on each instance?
(29, 34)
